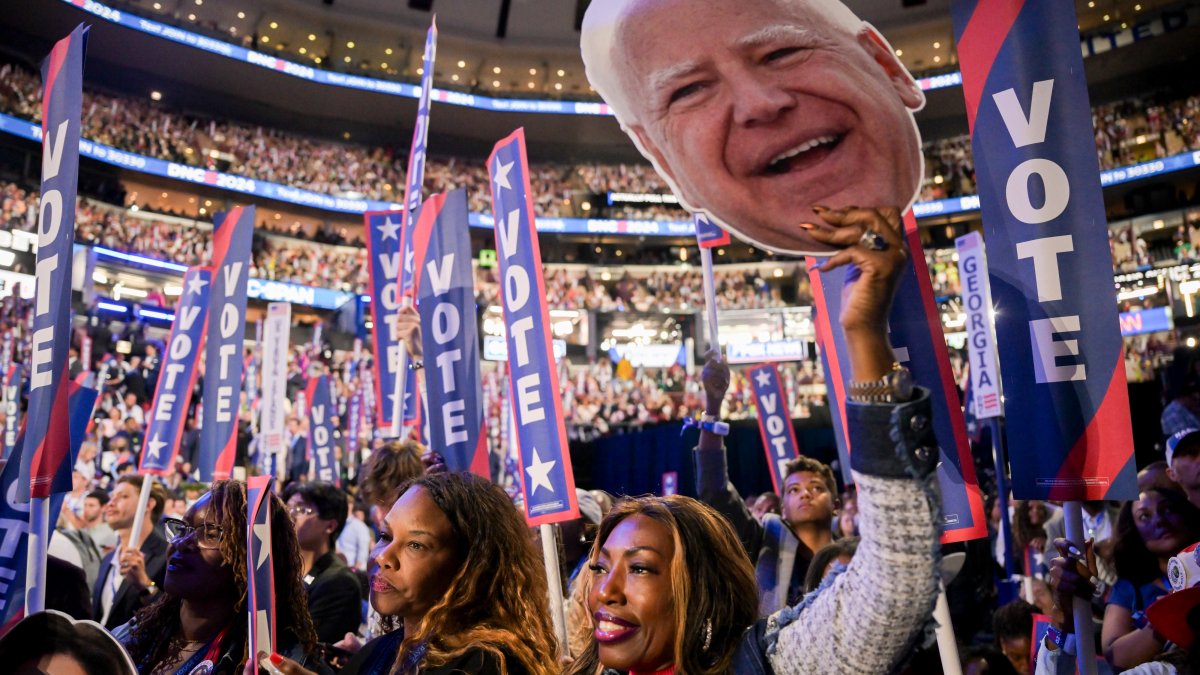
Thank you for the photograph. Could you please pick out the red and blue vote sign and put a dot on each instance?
(177, 377)
(547, 481)
(918, 342)
(708, 234)
(47, 434)
(384, 229)
(353, 423)
(225, 333)
(774, 421)
(14, 514)
(1051, 268)
(320, 429)
(13, 381)
(449, 338)
(260, 591)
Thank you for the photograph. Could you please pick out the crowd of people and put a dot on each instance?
(293, 259)
(345, 602)
(1127, 132)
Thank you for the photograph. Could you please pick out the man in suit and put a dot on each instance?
(297, 451)
(318, 511)
(132, 574)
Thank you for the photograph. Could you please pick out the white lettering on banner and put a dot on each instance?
(51, 221)
(1047, 349)
(1045, 263)
(529, 407)
(230, 323)
(1025, 131)
(454, 421)
(445, 363)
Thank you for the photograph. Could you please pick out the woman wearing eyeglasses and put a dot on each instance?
(198, 623)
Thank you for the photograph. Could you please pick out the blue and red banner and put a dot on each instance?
(919, 344)
(548, 482)
(353, 425)
(415, 176)
(13, 381)
(47, 435)
(1060, 346)
(709, 234)
(774, 421)
(384, 229)
(14, 514)
(320, 429)
(260, 591)
(225, 333)
(450, 337)
(177, 376)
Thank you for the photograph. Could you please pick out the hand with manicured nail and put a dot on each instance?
(867, 296)
(1072, 577)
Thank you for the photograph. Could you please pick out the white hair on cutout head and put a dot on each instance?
(599, 42)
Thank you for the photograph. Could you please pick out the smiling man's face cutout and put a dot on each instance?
(757, 110)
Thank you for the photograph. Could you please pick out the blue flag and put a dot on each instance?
(14, 515)
(225, 334)
(774, 421)
(260, 591)
(47, 434)
(320, 429)
(919, 344)
(1060, 348)
(548, 483)
(708, 234)
(383, 267)
(177, 376)
(450, 338)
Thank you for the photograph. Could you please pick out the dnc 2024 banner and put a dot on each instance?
(919, 344)
(1060, 347)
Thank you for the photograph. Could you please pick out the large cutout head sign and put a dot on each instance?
(754, 111)
(52, 642)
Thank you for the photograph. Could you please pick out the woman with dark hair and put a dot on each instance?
(199, 617)
(1149, 532)
(1029, 524)
(840, 552)
(671, 584)
(649, 616)
(460, 586)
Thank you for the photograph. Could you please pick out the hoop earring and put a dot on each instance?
(707, 635)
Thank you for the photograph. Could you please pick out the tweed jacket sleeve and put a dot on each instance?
(870, 616)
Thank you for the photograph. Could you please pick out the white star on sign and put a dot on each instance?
(155, 446)
(195, 284)
(539, 473)
(263, 532)
(502, 170)
(389, 229)
(763, 377)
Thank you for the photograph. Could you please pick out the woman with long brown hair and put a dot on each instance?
(199, 617)
(460, 584)
(670, 584)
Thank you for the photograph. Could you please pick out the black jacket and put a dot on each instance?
(334, 598)
(127, 600)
